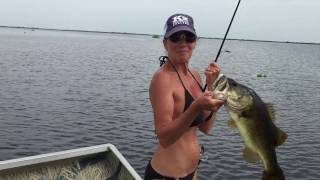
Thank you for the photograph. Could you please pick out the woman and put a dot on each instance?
(179, 104)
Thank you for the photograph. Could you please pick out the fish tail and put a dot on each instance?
(276, 174)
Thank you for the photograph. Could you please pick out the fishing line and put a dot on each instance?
(225, 36)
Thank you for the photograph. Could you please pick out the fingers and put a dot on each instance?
(213, 66)
(211, 72)
(207, 102)
(218, 102)
(212, 69)
(211, 103)
(216, 105)
(208, 93)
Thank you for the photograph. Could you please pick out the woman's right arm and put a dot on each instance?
(162, 100)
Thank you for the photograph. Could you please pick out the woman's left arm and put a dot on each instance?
(211, 73)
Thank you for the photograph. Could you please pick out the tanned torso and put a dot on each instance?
(182, 157)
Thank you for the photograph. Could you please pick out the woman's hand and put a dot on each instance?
(206, 102)
(211, 73)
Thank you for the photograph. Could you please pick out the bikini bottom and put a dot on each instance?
(151, 174)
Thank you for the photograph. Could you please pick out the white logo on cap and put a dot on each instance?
(180, 20)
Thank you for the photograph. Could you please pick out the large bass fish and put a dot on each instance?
(255, 122)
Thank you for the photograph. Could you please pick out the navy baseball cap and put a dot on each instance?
(179, 22)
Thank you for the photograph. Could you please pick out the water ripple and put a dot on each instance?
(62, 90)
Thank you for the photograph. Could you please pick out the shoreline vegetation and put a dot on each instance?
(152, 35)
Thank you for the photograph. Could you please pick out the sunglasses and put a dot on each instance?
(179, 36)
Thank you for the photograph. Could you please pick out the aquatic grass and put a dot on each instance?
(44, 173)
(108, 167)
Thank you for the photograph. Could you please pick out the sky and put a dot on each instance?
(274, 20)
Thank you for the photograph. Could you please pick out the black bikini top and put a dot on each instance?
(189, 99)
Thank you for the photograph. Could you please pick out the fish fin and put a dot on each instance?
(271, 111)
(232, 123)
(275, 174)
(250, 156)
(281, 136)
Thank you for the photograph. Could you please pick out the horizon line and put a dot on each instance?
(155, 35)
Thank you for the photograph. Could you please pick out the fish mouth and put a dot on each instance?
(238, 102)
(221, 79)
(220, 87)
(235, 106)
(235, 97)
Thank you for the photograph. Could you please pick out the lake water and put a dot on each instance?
(65, 90)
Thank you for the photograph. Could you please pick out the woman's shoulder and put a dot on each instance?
(161, 76)
(161, 83)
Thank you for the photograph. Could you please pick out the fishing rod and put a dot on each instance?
(225, 36)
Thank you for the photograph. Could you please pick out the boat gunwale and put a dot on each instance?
(67, 154)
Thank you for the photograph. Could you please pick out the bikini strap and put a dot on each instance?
(164, 59)
(202, 89)
(177, 73)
